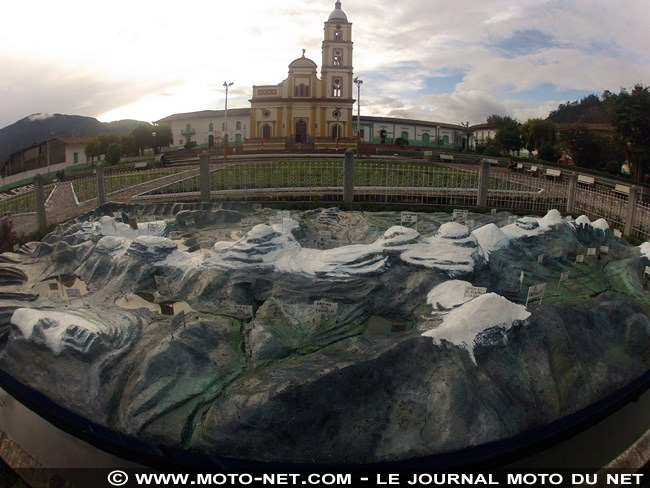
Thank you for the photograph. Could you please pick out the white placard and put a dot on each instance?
(521, 279)
(618, 233)
(152, 228)
(117, 215)
(512, 219)
(493, 211)
(325, 308)
(536, 292)
(580, 258)
(469, 224)
(564, 277)
(285, 214)
(647, 270)
(324, 235)
(162, 284)
(460, 215)
(275, 220)
(243, 311)
(474, 291)
(591, 251)
(246, 222)
(73, 293)
(409, 218)
(178, 320)
(53, 286)
(604, 249)
(190, 222)
(540, 259)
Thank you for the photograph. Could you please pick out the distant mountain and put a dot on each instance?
(40, 127)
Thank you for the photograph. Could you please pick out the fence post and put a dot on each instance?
(39, 197)
(483, 183)
(571, 197)
(348, 177)
(204, 176)
(630, 214)
(101, 188)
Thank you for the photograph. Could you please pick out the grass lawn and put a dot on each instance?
(323, 173)
(86, 189)
(23, 203)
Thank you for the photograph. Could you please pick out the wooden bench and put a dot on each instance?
(586, 180)
(140, 165)
(622, 189)
(553, 174)
(446, 157)
(520, 167)
(493, 162)
(533, 170)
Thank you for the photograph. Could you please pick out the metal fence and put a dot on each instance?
(375, 181)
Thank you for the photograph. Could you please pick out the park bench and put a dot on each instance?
(520, 167)
(446, 157)
(140, 165)
(586, 180)
(493, 162)
(533, 170)
(553, 174)
(622, 189)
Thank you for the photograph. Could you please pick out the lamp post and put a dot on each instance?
(358, 82)
(337, 112)
(153, 136)
(225, 122)
(438, 137)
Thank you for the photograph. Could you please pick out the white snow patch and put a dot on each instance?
(645, 249)
(453, 230)
(462, 325)
(490, 238)
(57, 328)
(448, 294)
(600, 224)
(583, 220)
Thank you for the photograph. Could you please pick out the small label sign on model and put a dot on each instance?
(512, 219)
(564, 277)
(190, 223)
(162, 284)
(409, 218)
(604, 249)
(243, 311)
(617, 233)
(536, 292)
(591, 251)
(540, 259)
(324, 307)
(474, 291)
(580, 258)
(460, 215)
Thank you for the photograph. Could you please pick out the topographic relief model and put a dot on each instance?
(324, 336)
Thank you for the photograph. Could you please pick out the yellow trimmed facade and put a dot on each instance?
(306, 109)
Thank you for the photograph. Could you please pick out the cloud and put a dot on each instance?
(41, 116)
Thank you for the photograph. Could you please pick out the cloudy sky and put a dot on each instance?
(446, 61)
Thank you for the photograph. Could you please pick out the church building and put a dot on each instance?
(304, 107)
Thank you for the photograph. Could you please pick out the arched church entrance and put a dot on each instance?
(301, 131)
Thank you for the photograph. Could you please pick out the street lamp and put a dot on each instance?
(358, 82)
(438, 137)
(337, 113)
(225, 122)
(153, 136)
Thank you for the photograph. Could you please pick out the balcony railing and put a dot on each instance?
(188, 132)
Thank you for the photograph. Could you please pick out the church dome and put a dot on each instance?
(337, 13)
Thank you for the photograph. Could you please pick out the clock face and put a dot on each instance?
(336, 113)
(338, 26)
(266, 113)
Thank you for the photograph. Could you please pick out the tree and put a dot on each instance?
(164, 137)
(547, 152)
(630, 116)
(589, 150)
(501, 121)
(142, 137)
(536, 133)
(114, 153)
(93, 150)
(589, 110)
(493, 148)
(105, 140)
(128, 146)
(401, 142)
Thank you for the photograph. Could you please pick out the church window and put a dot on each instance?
(210, 127)
(238, 125)
(445, 139)
(337, 89)
(425, 138)
(337, 36)
(301, 90)
(405, 135)
(338, 58)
